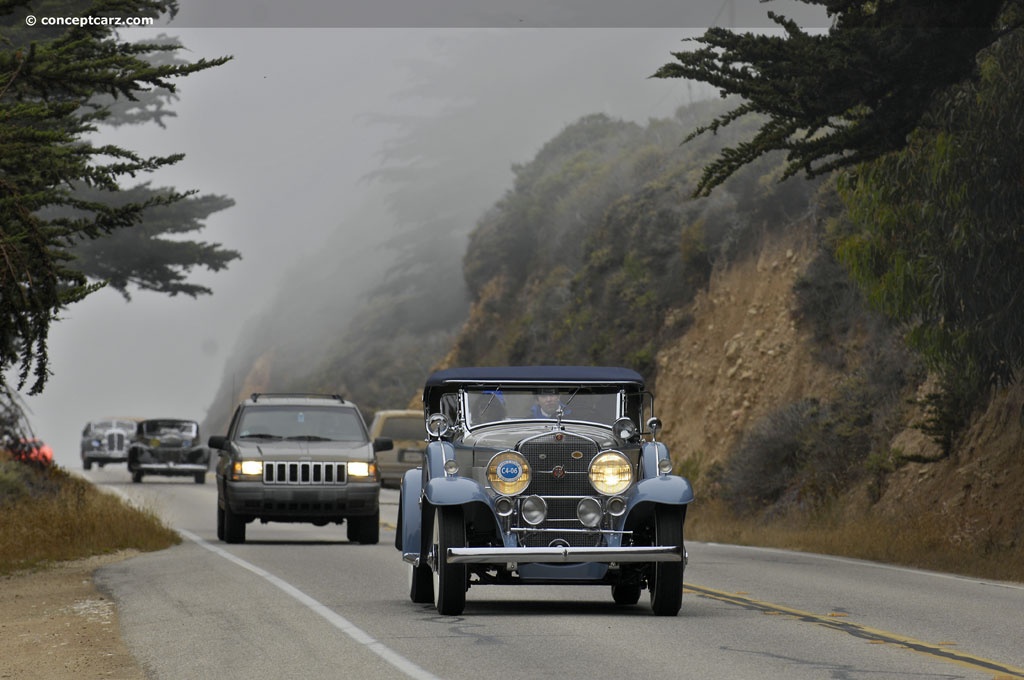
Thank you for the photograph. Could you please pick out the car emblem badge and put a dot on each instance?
(576, 455)
(559, 437)
(558, 472)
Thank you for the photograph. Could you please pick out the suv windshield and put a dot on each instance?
(494, 405)
(308, 423)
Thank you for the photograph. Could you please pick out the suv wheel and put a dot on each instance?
(220, 523)
(137, 476)
(86, 463)
(234, 527)
(365, 530)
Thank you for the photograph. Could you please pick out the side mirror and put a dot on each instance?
(218, 441)
(383, 444)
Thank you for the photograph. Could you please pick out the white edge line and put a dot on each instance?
(338, 621)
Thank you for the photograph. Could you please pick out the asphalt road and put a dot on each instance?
(298, 601)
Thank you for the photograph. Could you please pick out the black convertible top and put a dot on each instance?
(534, 374)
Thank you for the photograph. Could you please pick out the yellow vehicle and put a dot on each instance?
(405, 427)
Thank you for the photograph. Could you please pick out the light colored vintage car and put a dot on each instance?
(404, 427)
(168, 447)
(107, 441)
(543, 475)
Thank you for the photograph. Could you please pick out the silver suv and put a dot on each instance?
(298, 458)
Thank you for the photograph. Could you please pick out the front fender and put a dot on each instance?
(650, 454)
(454, 491)
(666, 489)
(409, 517)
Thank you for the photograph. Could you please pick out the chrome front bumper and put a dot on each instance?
(664, 553)
(172, 468)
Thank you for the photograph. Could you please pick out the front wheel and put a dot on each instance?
(234, 527)
(200, 478)
(666, 578)
(449, 579)
(220, 523)
(365, 530)
(626, 593)
(137, 476)
(86, 464)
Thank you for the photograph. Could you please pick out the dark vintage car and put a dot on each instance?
(107, 441)
(298, 458)
(543, 475)
(168, 447)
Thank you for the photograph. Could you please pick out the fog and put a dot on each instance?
(290, 129)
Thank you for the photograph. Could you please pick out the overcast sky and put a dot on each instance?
(283, 129)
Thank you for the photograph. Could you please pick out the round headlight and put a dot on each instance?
(503, 505)
(624, 428)
(611, 472)
(438, 425)
(617, 506)
(535, 510)
(588, 510)
(665, 466)
(508, 473)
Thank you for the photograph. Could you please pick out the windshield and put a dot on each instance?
(581, 404)
(187, 428)
(403, 427)
(302, 423)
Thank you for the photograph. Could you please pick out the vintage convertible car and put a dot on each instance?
(168, 447)
(543, 475)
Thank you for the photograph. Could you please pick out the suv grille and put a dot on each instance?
(303, 472)
(560, 491)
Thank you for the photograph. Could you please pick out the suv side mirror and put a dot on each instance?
(383, 444)
(218, 441)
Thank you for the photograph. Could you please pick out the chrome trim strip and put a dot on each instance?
(663, 553)
(412, 558)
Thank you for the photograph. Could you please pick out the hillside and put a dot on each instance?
(786, 399)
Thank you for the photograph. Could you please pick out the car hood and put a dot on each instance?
(302, 450)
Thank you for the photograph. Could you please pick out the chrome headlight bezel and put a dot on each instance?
(610, 472)
(508, 473)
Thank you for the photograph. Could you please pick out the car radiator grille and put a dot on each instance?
(303, 472)
(561, 479)
(165, 455)
(115, 441)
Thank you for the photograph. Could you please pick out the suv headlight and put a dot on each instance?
(610, 472)
(242, 470)
(361, 468)
(508, 473)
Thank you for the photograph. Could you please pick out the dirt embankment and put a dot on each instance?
(744, 357)
(56, 624)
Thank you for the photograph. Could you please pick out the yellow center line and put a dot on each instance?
(872, 635)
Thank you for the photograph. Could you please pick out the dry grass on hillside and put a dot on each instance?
(922, 541)
(50, 516)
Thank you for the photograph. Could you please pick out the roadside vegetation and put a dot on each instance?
(47, 515)
(918, 540)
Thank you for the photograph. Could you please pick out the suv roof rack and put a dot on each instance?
(256, 396)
